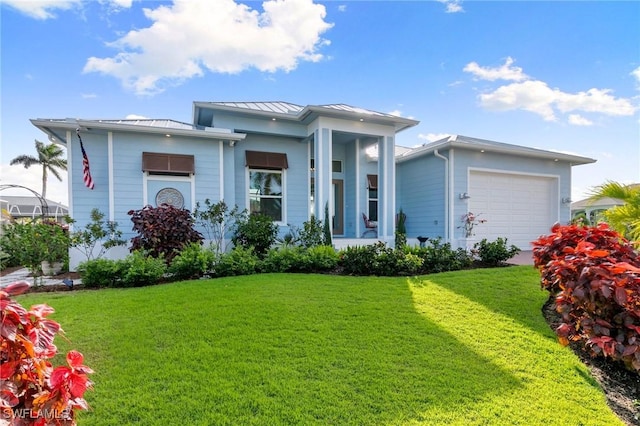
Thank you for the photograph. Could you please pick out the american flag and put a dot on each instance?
(86, 173)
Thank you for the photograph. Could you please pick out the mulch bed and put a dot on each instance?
(621, 386)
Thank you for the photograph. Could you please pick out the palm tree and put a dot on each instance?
(625, 218)
(49, 157)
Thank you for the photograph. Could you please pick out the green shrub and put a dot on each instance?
(100, 272)
(494, 253)
(359, 260)
(31, 243)
(401, 230)
(255, 230)
(283, 259)
(193, 261)
(439, 257)
(312, 233)
(326, 228)
(140, 269)
(320, 259)
(378, 259)
(239, 261)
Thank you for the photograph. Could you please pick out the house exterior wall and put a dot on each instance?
(420, 192)
(296, 177)
(129, 182)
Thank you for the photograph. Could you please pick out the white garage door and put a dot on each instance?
(518, 207)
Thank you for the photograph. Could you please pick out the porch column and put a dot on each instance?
(386, 188)
(322, 159)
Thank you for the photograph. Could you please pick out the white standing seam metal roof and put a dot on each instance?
(279, 107)
(162, 126)
(274, 107)
(164, 123)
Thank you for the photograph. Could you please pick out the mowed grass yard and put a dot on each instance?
(467, 347)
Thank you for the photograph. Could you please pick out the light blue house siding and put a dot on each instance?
(420, 191)
(518, 194)
(295, 178)
(132, 188)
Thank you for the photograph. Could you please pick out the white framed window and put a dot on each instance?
(266, 193)
(372, 197)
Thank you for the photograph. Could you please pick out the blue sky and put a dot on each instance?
(560, 76)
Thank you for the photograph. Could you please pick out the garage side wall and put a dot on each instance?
(420, 192)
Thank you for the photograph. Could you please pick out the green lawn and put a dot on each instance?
(467, 347)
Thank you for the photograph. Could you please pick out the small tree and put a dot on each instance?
(327, 226)
(401, 230)
(312, 233)
(94, 232)
(217, 220)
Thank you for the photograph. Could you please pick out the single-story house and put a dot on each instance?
(30, 207)
(290, 161)
(592, 208)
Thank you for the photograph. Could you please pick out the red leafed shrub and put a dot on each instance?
(32, 392)
(594, 275)
(163, 231)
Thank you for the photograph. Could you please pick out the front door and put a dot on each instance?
(337, 210)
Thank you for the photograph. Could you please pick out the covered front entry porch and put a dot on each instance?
(353, 174)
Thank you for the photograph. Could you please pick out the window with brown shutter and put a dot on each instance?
(168, 164)
(266, 160)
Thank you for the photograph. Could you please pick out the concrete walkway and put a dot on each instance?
(24, 275)
(525, 257)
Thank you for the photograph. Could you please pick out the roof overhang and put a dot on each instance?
(311, 112)
(53, 128)
(482, 145)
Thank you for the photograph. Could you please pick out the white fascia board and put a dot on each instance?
(519, 151)
(48, 125)
(246, 112)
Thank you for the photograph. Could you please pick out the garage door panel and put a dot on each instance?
(518, 207)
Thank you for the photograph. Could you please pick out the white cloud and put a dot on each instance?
(32, 179)
(578, 120)
(46, 9)
(533, 96)
(342, 8)
(41, 9)
(503, 72)
(594, 100)
(636, 74)
(88, 95)
(398, 113)
(537, 97)
(221, 36)
(432, 137)
(453, 6)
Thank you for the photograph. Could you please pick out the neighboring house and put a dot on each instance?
(592, 209)
(290, 161)
(30, 207)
